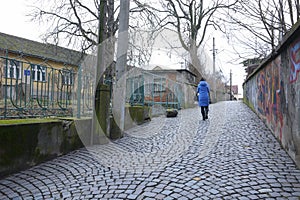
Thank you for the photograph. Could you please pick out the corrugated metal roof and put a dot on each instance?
(44, 51)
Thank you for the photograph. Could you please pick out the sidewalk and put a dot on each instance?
(230, 156)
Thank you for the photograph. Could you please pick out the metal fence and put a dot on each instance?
(39, 90)
(144, 88)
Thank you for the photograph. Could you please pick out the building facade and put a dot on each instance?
(36, 78)
(162, 88)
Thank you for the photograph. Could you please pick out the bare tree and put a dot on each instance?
(75, 23)
(260, 25)
(143, 29)
(190, 19)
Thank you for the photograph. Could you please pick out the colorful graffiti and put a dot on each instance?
(295, 60)
(270, 96)
(273, 92)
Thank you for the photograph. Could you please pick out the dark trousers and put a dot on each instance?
(204, 112)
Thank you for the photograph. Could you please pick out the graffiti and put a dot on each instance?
(276, 102)
(270, 88)
(295, 60)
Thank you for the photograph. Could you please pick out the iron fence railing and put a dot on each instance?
(144, 88)
(39, 90)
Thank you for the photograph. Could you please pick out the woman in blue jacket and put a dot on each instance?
(203, 97)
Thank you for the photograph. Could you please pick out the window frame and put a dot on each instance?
(38, 73)
(67, 77)
(14, 69)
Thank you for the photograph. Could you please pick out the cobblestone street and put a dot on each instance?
(232, 155)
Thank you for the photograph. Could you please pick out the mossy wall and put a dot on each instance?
(25, 145)
(136, 115)
(139, 114)
(103, 108)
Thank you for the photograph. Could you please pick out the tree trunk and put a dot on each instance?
(195, 58)
(98, 131)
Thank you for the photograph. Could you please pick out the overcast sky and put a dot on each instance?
(15, 22)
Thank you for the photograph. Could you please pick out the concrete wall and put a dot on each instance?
(137, 115)
(273, 92)
(24, 144)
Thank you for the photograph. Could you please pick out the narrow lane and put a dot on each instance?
(230, 156)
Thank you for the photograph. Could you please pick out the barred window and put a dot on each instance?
(38, 72)
(67, 78)
(159, 85)
(13, 69)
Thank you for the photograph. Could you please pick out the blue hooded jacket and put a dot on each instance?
(203, 93)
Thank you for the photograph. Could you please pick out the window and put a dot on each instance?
(67, 77)
(135, 90)
(192, 78)
(159, 85)
(38, 73)
(14, 69)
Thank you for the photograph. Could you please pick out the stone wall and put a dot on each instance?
(273, 92)
(25, 144)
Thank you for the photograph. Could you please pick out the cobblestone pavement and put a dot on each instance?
(230, 156)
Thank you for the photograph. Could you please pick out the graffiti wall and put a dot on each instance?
(295, 60)
(273, 92)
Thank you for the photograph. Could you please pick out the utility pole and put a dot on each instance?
(121, 65)
(214, 71)
(230, 85)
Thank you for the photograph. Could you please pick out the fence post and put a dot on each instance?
(79, 92)
(5, 92)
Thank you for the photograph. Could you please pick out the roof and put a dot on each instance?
(159, 69)
(43, 51)
(186, 70)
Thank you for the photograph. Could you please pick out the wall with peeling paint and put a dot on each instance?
(273, 92)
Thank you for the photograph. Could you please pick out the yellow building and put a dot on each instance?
(36, 78)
